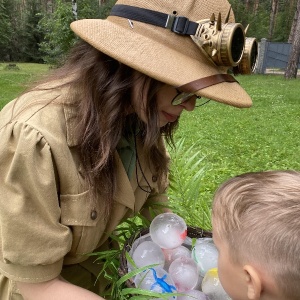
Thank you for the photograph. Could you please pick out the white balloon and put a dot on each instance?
(156, 280)
(212, 286)
(185, 274)
(168, 230)
(172, 254)
(148, 253)
(205, 255)
(193, 295)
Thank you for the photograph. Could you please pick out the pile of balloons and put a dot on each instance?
(176, 264)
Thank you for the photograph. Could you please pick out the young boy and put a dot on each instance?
(256, 228)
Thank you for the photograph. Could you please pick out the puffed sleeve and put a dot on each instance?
(33, 241)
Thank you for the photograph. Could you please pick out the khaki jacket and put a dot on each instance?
(46, 218)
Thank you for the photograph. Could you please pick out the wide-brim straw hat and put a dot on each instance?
(160, 53)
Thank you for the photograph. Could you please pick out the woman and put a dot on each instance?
(84, 150)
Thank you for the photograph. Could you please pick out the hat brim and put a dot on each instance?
(156, 58)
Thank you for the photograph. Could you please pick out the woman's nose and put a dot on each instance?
(189, 105)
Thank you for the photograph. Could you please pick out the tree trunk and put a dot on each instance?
(255, 7)
(247, 3)
(273, 18)
(292, 66)
(49, 6)
(293, 28)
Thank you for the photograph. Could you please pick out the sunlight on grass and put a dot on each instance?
(213, 143)
(227, 140)
(14, 81)
(235, 141)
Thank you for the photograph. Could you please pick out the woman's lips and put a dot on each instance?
(169, 117)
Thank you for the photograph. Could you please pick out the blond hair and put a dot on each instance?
(258, 215)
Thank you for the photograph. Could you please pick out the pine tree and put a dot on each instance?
(6, 32)
(32, 36)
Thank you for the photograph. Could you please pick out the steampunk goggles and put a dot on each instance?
(225, 43)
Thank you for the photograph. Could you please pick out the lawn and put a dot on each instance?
(14, 81)
(216, 141)
(231, 141)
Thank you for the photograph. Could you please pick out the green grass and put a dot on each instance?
(13, 81)
(216, 141)
(232, 141)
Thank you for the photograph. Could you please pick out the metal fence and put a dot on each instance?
(273, 55)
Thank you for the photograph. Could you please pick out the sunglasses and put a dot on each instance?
(183, 97)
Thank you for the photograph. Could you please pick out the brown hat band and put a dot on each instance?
(202, 83)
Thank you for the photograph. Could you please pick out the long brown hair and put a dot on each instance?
(103, 90)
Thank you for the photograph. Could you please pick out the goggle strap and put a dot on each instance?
(177, 24)
(205, 82)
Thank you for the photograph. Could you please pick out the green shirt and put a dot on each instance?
(127, 152)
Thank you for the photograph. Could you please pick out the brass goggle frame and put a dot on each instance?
(226, 45)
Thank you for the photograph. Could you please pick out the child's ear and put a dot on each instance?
(253, 281)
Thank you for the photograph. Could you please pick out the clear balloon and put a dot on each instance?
(148, 253)
(205, 255)
(193, 295)
(185, 274)
(168, 230)
(139, 240)
(212, 286)
(198, 285)
(136, 243)
(156, 280)
(172, 254)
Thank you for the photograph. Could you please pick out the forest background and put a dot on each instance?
(38, 30)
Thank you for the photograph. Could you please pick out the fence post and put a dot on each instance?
(261, 60)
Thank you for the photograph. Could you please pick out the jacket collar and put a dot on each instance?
(71, 117)
(125, 192)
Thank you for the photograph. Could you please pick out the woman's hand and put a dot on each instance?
(55, 289)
